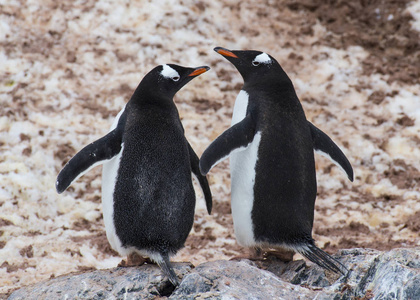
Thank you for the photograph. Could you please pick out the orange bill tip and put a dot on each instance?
(199, 71)
(226, 52)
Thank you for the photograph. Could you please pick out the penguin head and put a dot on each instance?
(253, 65)
(171, 78)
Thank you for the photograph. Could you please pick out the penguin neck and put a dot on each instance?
(145, 96)
(279, 93)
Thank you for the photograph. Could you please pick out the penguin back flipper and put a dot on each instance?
(201, 178)
(321, 258)
(167, 268)
(325, 146)
(90, 156)
(236, 138)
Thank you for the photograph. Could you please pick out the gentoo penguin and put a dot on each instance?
(147, 192)
(271, 147)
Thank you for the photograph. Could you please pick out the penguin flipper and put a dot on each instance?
(236, 138)
(325, 146)
(202, 179)
(90, 156)
(322, 258)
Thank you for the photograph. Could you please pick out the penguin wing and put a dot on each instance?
(201, 178)
(236, 138)
(325, 146)
(90, 156)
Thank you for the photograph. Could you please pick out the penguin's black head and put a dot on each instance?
(167, 80)
(254, 65)
(172, 77)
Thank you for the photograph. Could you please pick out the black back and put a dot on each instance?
(285, 182)
(154, 199)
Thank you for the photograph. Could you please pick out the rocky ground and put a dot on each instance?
(67, 69)
(373, 275)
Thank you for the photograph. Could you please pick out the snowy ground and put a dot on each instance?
(67, 69)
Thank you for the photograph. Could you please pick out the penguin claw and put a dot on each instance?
(254, 254)
(245, 256)
(283, 255)
(134, 260)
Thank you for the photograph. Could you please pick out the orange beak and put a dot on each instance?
(199, 71)
(225, 52)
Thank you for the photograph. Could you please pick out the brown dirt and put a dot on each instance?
(4, 222)
(405, 121)
(64, 152)
(101, 243)
(98, 240)
(393, 46)
(14, 267)
(204, 105)
(27, 251)
(348, 243)
(82, 224)
(403, 176)
(413, 222)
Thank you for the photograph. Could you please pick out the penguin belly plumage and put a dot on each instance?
(147, 192)
(271, 146)
(109, 178)
(242, 165)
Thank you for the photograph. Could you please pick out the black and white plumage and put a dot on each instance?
(271, 147)
(147, 192)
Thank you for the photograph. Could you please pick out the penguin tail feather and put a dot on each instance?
(167, 268)
(322, 258)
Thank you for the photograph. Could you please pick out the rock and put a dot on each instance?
(145, 282)
(373, 275)
(237, 280)
(394, 275)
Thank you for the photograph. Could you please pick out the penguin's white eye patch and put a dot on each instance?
(263, 58)
(169, 72)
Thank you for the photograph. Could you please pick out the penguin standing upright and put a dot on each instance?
(147, 192)
(271, 147)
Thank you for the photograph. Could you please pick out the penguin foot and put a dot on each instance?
(245, 256)
(254, 254)
(281, 254)
(134, 260)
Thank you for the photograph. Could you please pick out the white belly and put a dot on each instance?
(242, 166)
(109, 178)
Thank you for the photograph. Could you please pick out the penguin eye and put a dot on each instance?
(255, 63)
(176, 78)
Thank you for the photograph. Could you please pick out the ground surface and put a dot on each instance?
(67, 69)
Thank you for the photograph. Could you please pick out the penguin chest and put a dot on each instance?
(242, 165)
(109, 179)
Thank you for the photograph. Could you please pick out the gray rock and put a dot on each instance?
(237, 280)
(145, 282)
(373, 275)
(393, 275)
